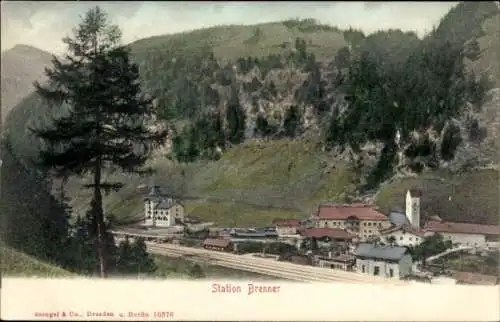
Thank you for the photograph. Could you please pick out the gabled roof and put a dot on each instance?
(398, 218)
(380, 252)
(405, 229)
(334, 233)
(346, 211)
(461, 228)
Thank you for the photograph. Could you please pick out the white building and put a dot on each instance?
(161, 210)
(386, 261)
(465, 234)
(413, 207)
(402, 236)
(287, 227)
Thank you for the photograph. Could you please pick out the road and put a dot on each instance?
(268, 267)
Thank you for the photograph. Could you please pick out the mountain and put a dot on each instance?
(21, 66)
(276, 73)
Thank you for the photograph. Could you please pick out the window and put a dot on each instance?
(391, 272)
(364, 224)
(363, 268)
(410, 238)
(376, 270)
(369, 224)
(401, 238)
(380, 224)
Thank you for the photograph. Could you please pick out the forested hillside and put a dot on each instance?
(269, 120)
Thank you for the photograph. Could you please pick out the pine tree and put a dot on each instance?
(125, 259)
(236, 118)
(106, 124)
(261, 126)
(143, 261)
(84, 244)
(292, 121)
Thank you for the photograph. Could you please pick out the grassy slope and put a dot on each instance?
(179, 268)
(232, 42)
(470, 197)
(15, 263)
(251, 185)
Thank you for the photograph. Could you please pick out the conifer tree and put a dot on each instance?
(107, 122)
(124, 257)
(291, 122)
(236, 118)
(143, 262)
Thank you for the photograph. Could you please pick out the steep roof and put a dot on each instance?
(380, 252)
(154, 193)
(334, 233)
(165, 204)
(461, 228)
(404, 228)
(345, 211)
(398, 218)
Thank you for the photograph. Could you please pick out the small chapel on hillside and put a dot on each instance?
(161, 210)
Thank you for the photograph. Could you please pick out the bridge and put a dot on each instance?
(449, 251)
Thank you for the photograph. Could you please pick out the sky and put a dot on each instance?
(44, 24)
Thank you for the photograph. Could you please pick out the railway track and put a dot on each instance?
(260, 269)
(265, 266)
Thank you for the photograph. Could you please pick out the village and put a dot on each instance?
(355, 237)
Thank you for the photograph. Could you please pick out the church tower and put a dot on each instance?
(413, 207)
